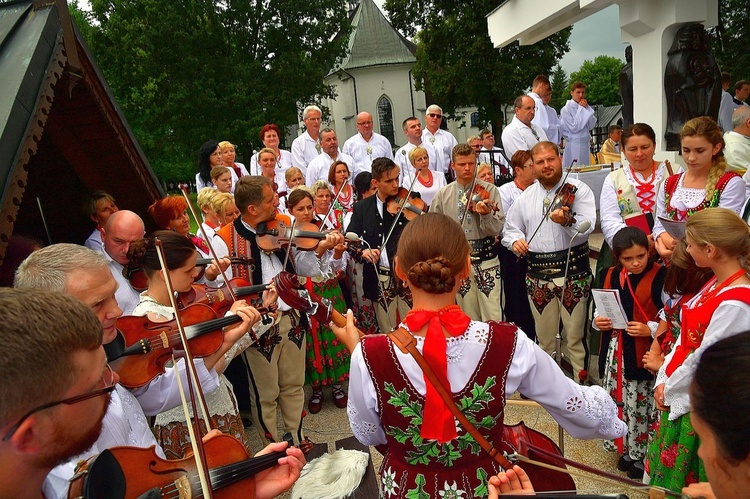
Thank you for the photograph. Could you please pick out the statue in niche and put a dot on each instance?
(626, 88)
(692, 81)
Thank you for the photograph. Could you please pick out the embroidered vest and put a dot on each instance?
(414, 467)
(695, 321)
(670, 186)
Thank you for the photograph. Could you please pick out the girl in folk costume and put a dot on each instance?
(327, 360)
(705, 184)
(640, 284)
(171, 430)
(717, 239)
(628, 195)
(343, 192)
(205, 201)
(682, 280)
(428, 181)
(390, 402)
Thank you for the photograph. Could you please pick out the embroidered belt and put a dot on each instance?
(552, 265)
(482, 250)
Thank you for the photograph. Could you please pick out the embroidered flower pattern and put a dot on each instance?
(451, 491)
(574, 404)
(389, 482)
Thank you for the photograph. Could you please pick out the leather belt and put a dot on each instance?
(482, 250)
(549, 266)
(385, 271)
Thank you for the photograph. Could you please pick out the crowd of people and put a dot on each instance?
(493, 283)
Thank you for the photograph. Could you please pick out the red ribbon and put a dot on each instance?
(437, 421)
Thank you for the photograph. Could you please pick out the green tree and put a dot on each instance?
(188, 71)
(602, 77)
(456, 62)
(559, 82)
(732, 39)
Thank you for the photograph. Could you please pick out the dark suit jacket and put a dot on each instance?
(367, 223)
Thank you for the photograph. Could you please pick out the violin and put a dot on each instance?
(131, 472)
(566, 196)
(219, 298)
(139, 281)
(277, 233)
(413, 204)
(142, 347)
(479, 194)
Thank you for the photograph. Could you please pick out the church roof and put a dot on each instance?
(374, 42)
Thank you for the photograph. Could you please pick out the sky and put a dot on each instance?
(598, 34)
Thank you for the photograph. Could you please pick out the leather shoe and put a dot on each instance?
(316, 402)
(339, 398)
(624, 463)
(636, 470)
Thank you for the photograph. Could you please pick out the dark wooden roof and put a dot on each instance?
(62, 135)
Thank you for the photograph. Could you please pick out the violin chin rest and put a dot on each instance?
(105, 479)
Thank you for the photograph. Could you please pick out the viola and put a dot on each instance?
(414, 205)
(131, 472)
(278, 233)
(138, 280)
(142, 348)
(479, 194)
(566, 196)
(219, 298)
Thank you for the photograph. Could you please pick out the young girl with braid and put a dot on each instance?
(705, 184)
(391, 404)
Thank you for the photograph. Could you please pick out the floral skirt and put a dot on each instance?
(326, 359)
(672, 460)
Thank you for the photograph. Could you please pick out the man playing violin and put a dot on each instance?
(372, 222)
(559, 227)
(121, 229)
(54, 386)
(479, 294)
(276, 363)
(74, 270)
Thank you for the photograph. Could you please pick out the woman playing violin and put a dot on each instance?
(428, 452)
(428, 181)
(327, 360)
(170, 429)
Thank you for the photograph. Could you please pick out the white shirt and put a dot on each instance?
(730, 318)
(736, 151)
(527, 212)
(443, 142)
(304, 150)
(283, 163)
(127, 297)
(584, 411)
(684, 198)
(364, 151)
(319, 167)
(541, 118)
(576, 122)
(401, 158)
(517, 136)
(200, 185)
(553, 132)
(94, 240)
(509, 192)
(427, 193)
(726, 108)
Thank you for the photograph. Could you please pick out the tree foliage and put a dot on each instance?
(732, 39)
(186, 71)
(602, 77)
(559, 82)
(456, 62)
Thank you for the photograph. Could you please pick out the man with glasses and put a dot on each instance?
(54, 386)
(496, 160)
(521, 133)
(306, 147)
(366, 145)
(442, 140)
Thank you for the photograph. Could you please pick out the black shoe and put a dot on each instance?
(625, 463)
(636, 470)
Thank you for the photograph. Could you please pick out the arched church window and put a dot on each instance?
(385, 117)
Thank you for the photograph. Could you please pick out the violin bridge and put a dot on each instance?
(182, 485)
(164, 339)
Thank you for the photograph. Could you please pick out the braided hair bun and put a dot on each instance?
(434, 275)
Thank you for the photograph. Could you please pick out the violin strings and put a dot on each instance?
(230, 473)
(155, 342)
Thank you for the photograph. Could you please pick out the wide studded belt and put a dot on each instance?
(482, 250)
(552, 265)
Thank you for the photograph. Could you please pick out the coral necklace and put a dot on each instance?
(426, 183)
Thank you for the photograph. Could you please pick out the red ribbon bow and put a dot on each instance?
(437, 420)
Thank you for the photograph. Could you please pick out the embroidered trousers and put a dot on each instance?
(278, 381)
(550, 305)
(399, 303)
(479, 295)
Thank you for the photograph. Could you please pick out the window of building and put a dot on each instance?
(475, 119)
(385, 117)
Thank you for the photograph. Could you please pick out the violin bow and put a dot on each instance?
(183, 190)
(333, 201)
(555, 198)
(400, 211)
(471, 193)
(196, 439)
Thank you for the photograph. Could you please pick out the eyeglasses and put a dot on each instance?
(435, 115)
(365, 123)
(109, 385)
(312, 119)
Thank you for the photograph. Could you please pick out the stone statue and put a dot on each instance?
(692, 81)
(626, 88)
